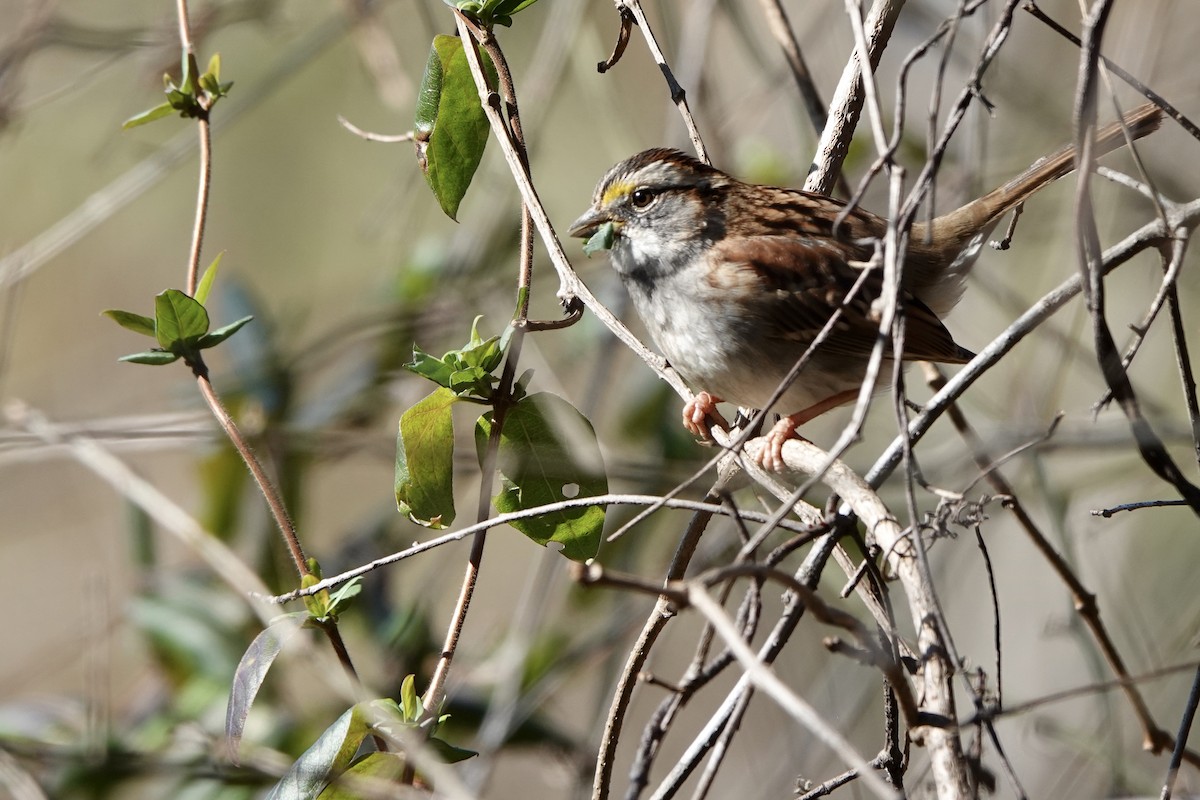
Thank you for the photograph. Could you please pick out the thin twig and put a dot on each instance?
(275, 503)
(655, 622)
(678, 95)
(766, 680)
(1151, 234)
(1149, 445)
(1170, 110)
(1084, 600)
(1185, 728)
(386, 138)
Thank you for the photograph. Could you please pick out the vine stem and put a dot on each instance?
(474, 37)
(205, 132)
(274, 501)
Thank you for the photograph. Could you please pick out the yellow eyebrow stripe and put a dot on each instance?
(615, 192)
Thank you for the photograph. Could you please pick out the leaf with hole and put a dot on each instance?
(548, 453)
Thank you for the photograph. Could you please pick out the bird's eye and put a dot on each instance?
(641, 197)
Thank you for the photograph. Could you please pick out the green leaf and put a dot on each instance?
(206, 280)
(373, 775)
(510, 7)
(548, 453)
(473, 382)
(485, 354)
(221, 334)
(214, 66)
(451, 126)
(449, 753)
(179, 320)
(148, 116)
(425, 461)
(155, 358)
(326, 758)
(467, 371)
(131, 321)
(411, 707)
(252, 671)
(429, 366)
(317, 603)
(340, 600)
(602, 239)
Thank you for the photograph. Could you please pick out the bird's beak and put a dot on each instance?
(587, 225)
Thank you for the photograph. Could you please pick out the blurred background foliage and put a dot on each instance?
(120, 643)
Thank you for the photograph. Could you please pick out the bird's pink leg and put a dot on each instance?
(698, 411)
(771, 456)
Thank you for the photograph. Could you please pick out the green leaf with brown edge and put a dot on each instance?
(179, 321)
(131, 321)
(425, 461)
(450, 123)
(548, 453)
(252, 671)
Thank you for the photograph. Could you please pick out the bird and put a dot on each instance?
(734, 281)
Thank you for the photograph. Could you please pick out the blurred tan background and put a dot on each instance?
(338, 248)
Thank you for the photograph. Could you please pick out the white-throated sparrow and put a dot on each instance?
(734, 280)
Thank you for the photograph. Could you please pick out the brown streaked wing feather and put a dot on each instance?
(801, 282)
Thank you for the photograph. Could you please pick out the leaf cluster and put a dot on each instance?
(490, 12)
(193, 97)
(180, 325)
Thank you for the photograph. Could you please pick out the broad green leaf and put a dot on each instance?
(602, 239)
(221, 334)
(325, 759)
(148, 116)
(252, 671)
(206, 280)
(451, 126)
(373, 775)
(425, 461)
(131, 321)
(548, 453)
(214, 65)
(179, 320)
(154, 358)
